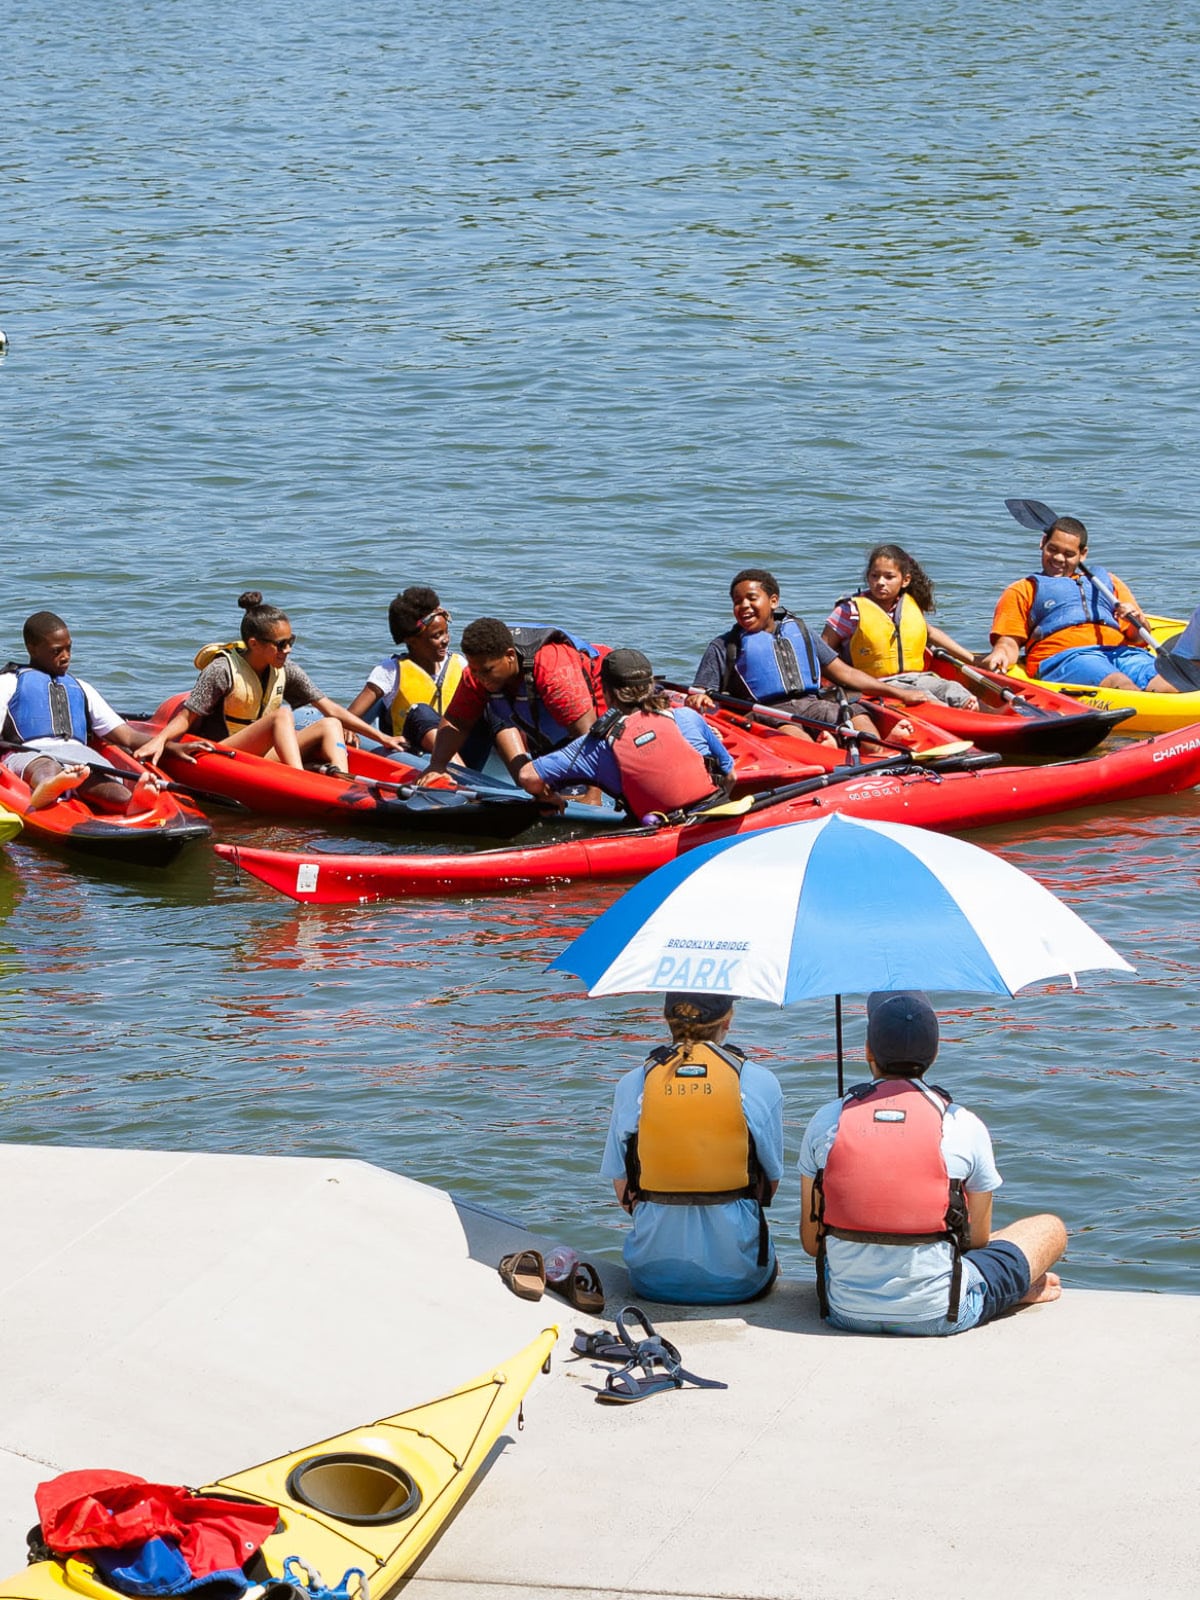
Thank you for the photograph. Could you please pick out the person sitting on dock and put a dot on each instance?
(896, 1197)
(658, 761)
(245, 695)
(695, 1153)
(770, 657)
(884, 629)
(50, 717)
(1070, 629)
(536, 689)
(409, 691)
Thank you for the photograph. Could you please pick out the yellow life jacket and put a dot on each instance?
(416, 687)
(692, 1145)
(250, 698)
(883, 645)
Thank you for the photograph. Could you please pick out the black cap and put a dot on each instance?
(684, 1007)
(902, 1029)
(626, 668)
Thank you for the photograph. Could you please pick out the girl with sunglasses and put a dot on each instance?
(246, 694)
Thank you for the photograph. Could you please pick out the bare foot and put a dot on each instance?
(54, 787)
(1048, 1287)
(144, 795)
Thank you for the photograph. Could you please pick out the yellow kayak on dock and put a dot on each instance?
(1152, 713)
(371, 1498)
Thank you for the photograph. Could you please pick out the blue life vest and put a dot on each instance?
(1067, 602)
(543, 732)
(772, 666)
(43, 707)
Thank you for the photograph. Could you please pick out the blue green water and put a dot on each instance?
(573, 311)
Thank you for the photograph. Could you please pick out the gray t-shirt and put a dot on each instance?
(207, 698)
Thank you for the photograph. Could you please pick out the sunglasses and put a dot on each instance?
(280, 644)
(427, 620)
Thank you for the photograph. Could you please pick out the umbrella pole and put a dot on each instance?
(837, 1017)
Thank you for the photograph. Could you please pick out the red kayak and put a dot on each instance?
(765, 755)
(149, 838)
(950, 802)
(1022, 720)
(378, 793)
(1011, 724)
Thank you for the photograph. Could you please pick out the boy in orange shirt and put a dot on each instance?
(1071, 632)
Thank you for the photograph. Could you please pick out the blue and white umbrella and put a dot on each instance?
(839, 906)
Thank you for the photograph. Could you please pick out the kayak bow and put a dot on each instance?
(372, 1498)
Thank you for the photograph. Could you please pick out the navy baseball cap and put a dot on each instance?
(683, 1007)
(902, 1029)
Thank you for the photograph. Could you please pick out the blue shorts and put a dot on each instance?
(420, 720)
(1093, 664)
(1005, 1274)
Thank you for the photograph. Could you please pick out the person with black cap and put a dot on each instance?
(695, 1154)
(658, 761)
(896, 1197)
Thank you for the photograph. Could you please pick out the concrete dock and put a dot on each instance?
(180, 1315)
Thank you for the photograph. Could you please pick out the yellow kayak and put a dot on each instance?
(372, 1498)
(1152, 713)
(10, 824)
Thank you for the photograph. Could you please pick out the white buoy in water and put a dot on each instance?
(3, 341)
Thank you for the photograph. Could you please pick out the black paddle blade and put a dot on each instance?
(1032, 514)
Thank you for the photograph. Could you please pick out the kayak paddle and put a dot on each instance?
(1016, 701)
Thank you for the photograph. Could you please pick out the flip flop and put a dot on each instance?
(582, 1289)
(524, 1272)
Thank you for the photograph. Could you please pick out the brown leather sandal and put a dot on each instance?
(582, 1289)
(524, 1272)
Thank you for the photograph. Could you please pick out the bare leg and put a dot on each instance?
(1159, 685)
(809, 735)
(324, 742)
(1042, 1240)
(1118, 680)
(272, 736)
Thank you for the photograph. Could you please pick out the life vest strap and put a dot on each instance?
(663, 1197)
(945, 1237)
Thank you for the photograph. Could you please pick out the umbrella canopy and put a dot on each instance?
(833, 907)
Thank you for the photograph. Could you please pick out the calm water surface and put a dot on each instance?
(574, 310)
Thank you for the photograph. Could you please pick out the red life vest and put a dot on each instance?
(885, 1180)
(660, 770)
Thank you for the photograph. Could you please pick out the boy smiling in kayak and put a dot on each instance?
(1069, 629)
(770, 657)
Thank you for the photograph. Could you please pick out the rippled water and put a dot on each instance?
(576, 310)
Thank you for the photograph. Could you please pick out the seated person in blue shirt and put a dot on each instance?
(656, 760)
(896, 1197)
(771, 658)
(695, 1152)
